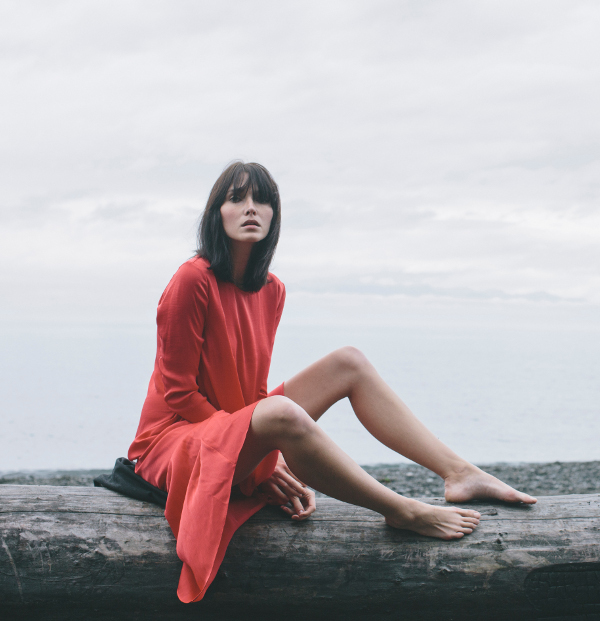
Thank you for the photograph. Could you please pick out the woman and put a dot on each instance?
(222, 447)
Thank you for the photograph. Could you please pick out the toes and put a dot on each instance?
(471, 520)
(515, 496)
(529, 500)
(467, 513)
(468, 524)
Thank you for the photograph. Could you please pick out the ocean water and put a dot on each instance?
(71, 394)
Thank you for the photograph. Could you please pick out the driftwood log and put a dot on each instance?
(88, 553)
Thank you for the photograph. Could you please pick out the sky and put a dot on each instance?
(438, 161)
(439, 167)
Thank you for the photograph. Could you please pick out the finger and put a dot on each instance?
(274, 494)
(291, 511)
(302, 508)
(300, 513)
(310, 503)
(278, 496)
(284, 480)
(291, 474)
(282, 470)
(294, 483)
(287, 510)
(292, 490)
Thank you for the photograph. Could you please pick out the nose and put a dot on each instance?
(250, 208)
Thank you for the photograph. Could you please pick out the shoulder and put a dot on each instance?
(196, 267)
(192, 280)
(277, 291)
(275, 284)
(195, 271)
(272, 279)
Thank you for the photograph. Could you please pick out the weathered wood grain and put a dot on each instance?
(89, 553)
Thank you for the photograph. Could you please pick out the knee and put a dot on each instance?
(284, 418)
(351, 361)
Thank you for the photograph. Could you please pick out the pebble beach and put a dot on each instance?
(537, 479)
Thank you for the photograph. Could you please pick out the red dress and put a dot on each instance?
(213, 354)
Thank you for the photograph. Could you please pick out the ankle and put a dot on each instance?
(458, 470)
(405, 510)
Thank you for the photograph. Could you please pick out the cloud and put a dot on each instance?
(447, 149)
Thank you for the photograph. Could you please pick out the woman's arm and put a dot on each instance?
(180, 320)
(283, 487)
(263, 391)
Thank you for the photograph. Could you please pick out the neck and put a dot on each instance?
(240, 254)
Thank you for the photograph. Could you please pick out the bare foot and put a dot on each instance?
(441, 522)
(472, 482)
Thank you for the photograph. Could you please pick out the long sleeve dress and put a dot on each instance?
(214, 346)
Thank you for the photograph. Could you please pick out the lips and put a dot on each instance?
(251, 223)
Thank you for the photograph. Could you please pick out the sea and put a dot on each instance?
(72, 393)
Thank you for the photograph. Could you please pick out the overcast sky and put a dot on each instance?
(430, 154)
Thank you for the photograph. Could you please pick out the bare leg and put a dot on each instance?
(347, 373)
(279, 423)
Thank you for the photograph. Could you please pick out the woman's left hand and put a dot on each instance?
(284, 488)
(302, 507)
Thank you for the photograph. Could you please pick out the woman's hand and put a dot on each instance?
(284, 488)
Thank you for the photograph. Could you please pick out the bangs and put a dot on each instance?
(253, 177)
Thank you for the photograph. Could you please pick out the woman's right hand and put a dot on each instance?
(285, 489)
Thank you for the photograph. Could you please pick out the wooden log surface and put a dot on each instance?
(74, 552)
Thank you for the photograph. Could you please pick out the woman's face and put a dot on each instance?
(245, 220)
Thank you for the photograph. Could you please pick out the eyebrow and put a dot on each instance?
(238, 191)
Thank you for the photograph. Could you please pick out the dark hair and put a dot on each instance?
(213, 243)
